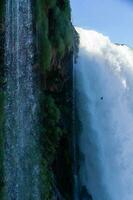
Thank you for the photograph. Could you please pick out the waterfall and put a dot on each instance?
(104, 95)
(21, 154)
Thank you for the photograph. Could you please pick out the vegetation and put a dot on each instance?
(49, 143)
(54, 35)
(56, 134)
(55, 43)
(54, 30)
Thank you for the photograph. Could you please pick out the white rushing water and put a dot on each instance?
(104, 93)
(21, 154)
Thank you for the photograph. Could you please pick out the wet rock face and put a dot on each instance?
(21, 153)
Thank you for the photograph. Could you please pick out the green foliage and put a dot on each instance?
(46, 54)
(47, 178)
(54, 30)
(61, 30)
(50, 3)
(51, 134)
(65, 7)
(42, 31)
(52, 110)
(53, 131)
(42, 21)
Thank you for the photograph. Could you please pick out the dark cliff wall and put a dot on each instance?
(56, 38)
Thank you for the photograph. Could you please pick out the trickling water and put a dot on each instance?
(21, 163)
(104, 93)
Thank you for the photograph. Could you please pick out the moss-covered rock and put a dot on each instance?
(54, 30)
(55, 41)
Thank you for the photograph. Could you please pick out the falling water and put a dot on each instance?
(21, 162)
(104, 93)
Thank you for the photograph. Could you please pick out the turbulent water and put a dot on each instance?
(21, 159)
(104, 93)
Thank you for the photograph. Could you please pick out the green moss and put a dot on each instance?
(50, 3)
(54, 30)
(52, 110)
(62, 31)
(51, 134)
(65, 7)
(52, 129)
(46, 54)
(47, 178)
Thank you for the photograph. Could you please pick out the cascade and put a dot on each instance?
(21, 153)
(104, 103)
